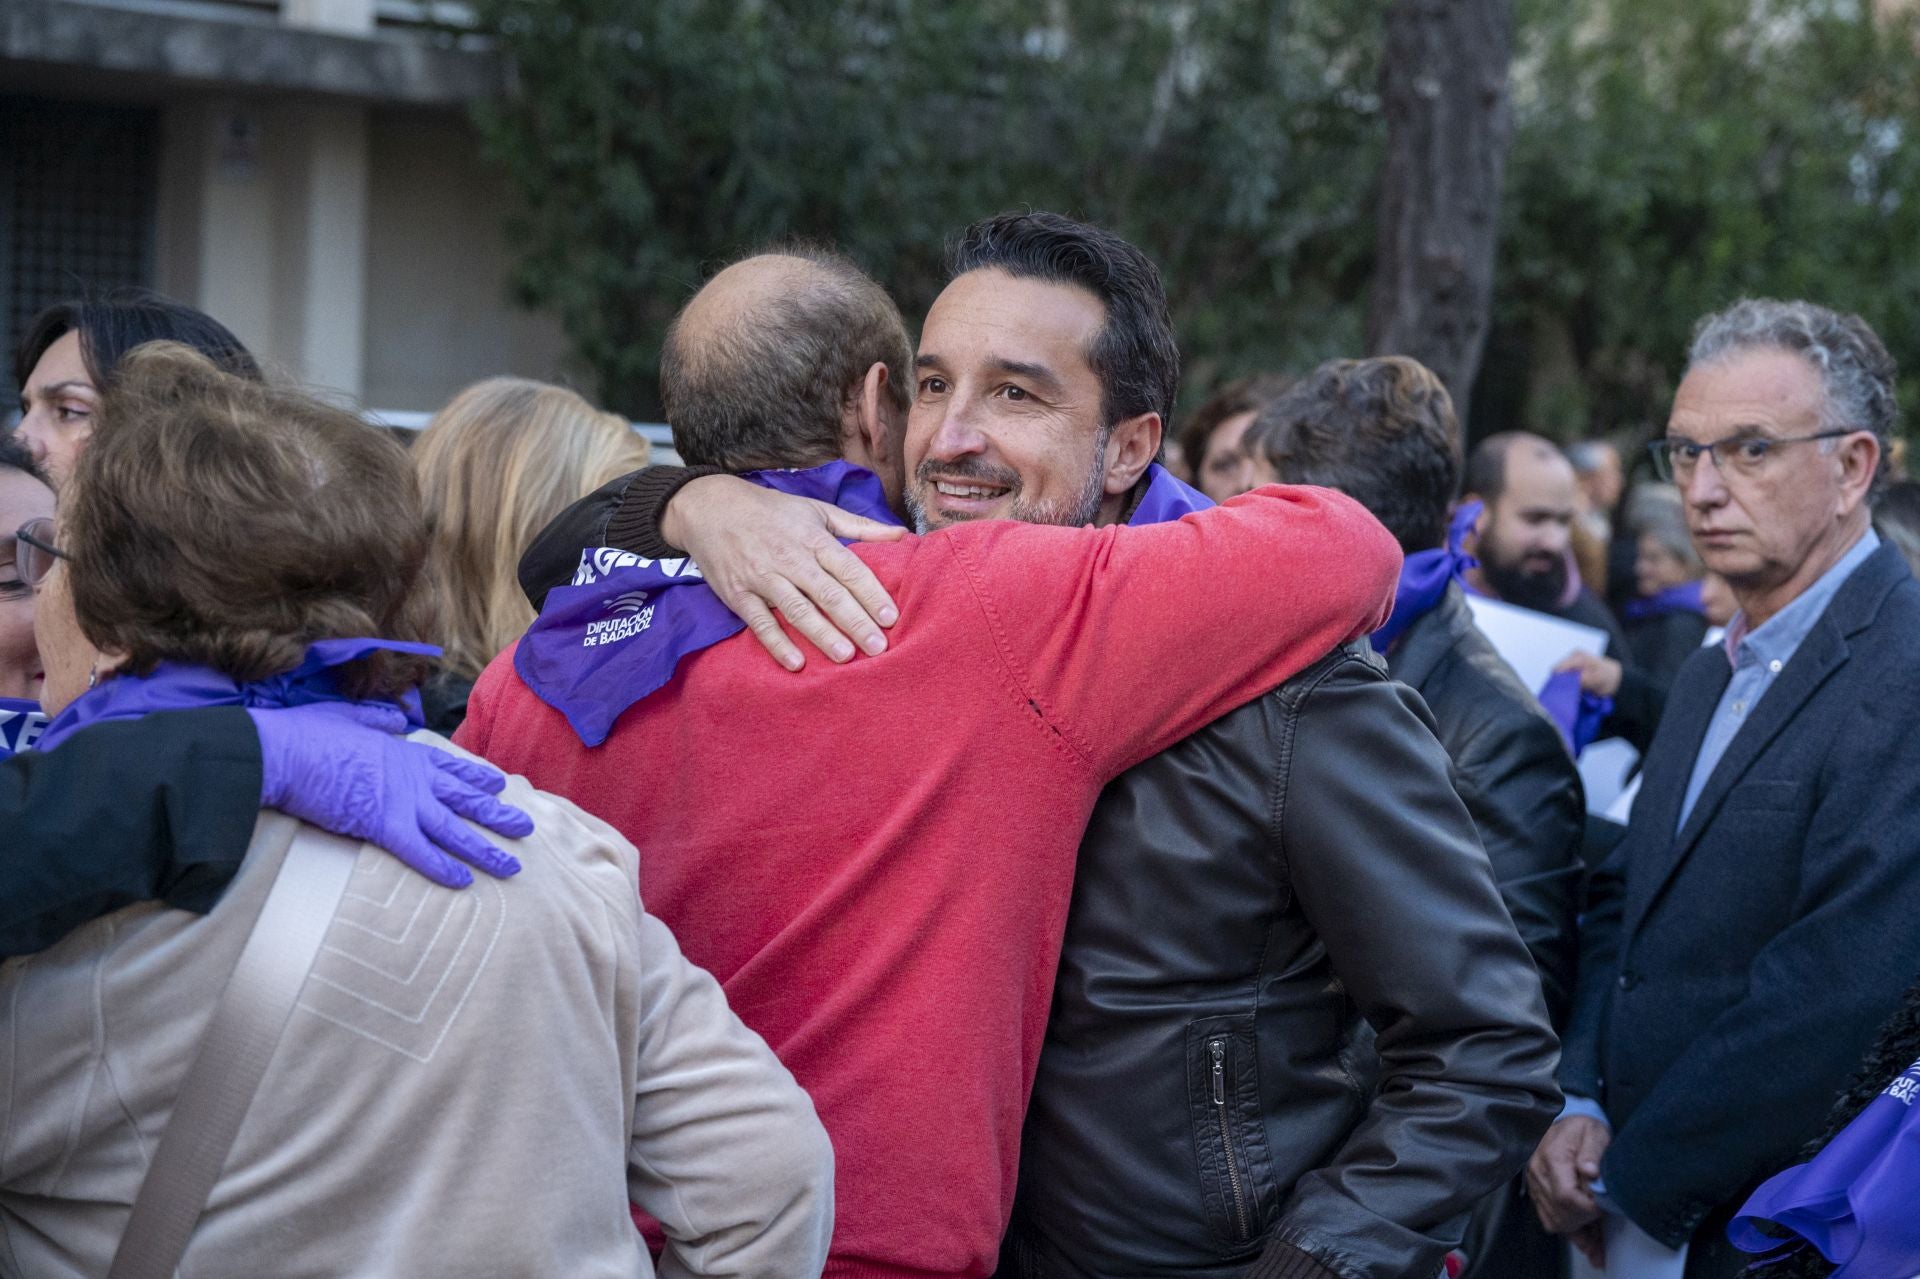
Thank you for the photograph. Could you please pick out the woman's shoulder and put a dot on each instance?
(567, 840)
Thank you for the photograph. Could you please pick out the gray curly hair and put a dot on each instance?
(1855, 369)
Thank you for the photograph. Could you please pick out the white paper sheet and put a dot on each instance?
(1603, 772)
(1533, 643)
(1632, 1253)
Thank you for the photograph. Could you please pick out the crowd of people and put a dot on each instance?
(1070, 840)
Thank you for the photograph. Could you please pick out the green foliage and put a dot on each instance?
(1669, 159)
(650, 140)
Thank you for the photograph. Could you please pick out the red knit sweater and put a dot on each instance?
(874, 859)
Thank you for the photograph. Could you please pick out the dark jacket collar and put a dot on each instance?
(1431, 638)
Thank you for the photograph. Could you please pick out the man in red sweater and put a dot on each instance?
(875, 858)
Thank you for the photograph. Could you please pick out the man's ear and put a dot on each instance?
(1472, 537)
(1859, 460)
(866, 434)
(876, 422)
(1130, 450)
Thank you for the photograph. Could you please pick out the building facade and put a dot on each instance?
(302, 170)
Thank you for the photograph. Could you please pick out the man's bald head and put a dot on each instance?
(760, 367)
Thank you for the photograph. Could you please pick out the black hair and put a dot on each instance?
(111, 324)
(1134, 354)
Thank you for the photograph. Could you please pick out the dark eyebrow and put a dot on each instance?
(1040, 373)
(1022, 368)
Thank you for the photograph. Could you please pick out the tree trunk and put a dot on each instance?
(1443, 85)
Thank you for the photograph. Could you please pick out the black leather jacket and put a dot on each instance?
(1519, 783)
(1206, 1102)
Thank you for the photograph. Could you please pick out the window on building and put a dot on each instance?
(78, 186)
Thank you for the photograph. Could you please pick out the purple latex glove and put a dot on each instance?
(344, 767)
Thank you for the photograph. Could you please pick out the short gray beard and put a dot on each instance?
(1082, 508)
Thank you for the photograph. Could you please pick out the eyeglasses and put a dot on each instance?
(1743, 455)
(34, 551)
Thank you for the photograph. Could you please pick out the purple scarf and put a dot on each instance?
(1684, 598)
(622, 628)
(1424, 576)
(172, 687)
(1856, 1201)
(21, 724)
(1577, 714)
(1166, 498)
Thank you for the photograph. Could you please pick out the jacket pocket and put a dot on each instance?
(1767, 797)
(1229, 1130)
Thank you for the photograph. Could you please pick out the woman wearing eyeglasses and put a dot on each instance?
(470, 1082)
(24, 496)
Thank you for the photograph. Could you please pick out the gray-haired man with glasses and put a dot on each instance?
(1756, 923)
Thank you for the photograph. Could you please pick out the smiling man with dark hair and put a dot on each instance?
(1198, 1100)
(875, 858)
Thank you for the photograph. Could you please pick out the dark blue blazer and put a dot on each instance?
(1732, 976)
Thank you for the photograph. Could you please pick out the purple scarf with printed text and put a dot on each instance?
(621, 629)
(1857, 1201)
(21, 724)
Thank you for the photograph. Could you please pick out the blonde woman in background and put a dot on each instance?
(495, 465)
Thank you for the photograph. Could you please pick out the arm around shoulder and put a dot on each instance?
(1128, 639)
(157, 808)
(623, 513)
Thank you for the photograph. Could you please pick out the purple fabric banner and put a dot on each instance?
(1857, 1201)
(21, 724)
(172, 687)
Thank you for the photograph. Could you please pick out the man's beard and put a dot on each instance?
(1082, 508)
(1539, 590)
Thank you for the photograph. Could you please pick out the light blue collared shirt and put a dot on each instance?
(1758, 657)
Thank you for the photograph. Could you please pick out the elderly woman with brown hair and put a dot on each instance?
(188, 785)
(461, 1083)
(496, 464)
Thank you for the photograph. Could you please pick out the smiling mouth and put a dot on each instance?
(969, 492)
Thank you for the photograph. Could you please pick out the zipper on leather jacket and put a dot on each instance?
(1217, 1048)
